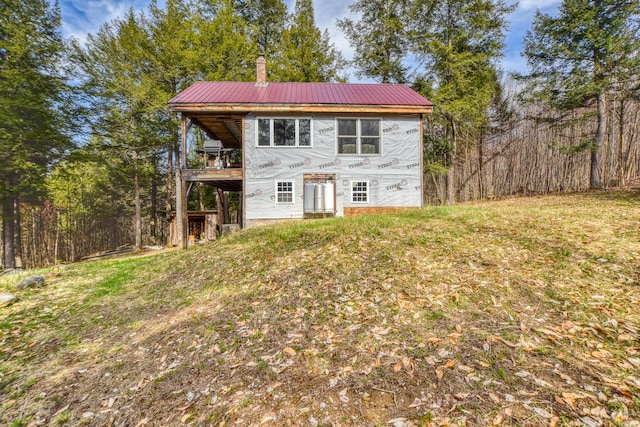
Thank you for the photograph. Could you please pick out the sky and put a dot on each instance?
(82, 17)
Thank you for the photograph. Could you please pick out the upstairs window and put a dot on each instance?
(284, 132)
(359, 136)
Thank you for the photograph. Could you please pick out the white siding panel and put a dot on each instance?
(394, 176)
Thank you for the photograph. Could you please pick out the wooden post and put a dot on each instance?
(225, 204)
(179, 200)
(182, 220)
(220, 206)
(421, 118)
(243, 200)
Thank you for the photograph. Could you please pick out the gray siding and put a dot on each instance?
(394, 176)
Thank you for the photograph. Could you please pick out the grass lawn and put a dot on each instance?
(513, 312)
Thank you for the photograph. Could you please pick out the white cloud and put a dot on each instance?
(532, 5)
(83, 17)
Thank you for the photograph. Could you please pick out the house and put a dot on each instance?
(303, 149)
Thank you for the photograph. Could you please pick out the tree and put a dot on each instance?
(266, 19)
(174, 64)
(117, 69)
(459, 42)
(307, 53)
(32, 107)
(379, 38)
(577, 57)
(224, 47)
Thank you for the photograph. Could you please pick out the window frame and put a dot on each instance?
(292, 191)
(366, 192)
(271, 120)
(358, 136)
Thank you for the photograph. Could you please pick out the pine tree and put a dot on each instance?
(266, 19)
(307, 53)
(32, 105)
(577, 58)
(224, 47)
(379, 38)
(174, 64)
(117, 68)
(460, 42)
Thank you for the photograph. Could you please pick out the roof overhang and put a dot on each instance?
(222, 109)
(224, 121)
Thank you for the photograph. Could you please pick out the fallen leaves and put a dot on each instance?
(440, 369)
(601, 354)
(289, 351)
(320, 333)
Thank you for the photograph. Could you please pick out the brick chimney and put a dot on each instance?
(261, 71)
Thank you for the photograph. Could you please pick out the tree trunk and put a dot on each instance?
(481, 192)
(170, 180)
(201, 195)
(17, 234)
(451, 177)
(137, 201)
(622, 155)
(8, 225)
(153, 223)
(594, 177)
(57, 241)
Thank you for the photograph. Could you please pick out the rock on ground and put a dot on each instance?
(11, 271)
(31, 281)
(6, 298)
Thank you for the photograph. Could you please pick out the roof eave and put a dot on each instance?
(298, 108)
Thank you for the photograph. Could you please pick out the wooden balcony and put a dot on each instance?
(229, 179)
(203, 175)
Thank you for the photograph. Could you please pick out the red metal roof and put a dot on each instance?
(299, 93)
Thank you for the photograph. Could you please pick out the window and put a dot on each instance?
(360, 191)
(284, 191)
(359, 136)
(284, 132)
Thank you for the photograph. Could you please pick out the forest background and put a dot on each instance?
(89, 145)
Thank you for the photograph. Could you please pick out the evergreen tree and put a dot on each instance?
(459, 42)
(580, 56)
(32, 107)
(174, 65)
(224, 47)
(267, 19)
(307, 53)
(117, 66)
(379, 38)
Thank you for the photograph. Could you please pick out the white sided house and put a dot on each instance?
(307, 149)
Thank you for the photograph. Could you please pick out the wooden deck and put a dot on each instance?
(205, 175)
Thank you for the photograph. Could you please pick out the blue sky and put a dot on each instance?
(82, 17)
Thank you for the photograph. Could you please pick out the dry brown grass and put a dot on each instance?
(518, 312)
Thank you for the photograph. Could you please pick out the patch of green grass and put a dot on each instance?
(20, 422)
(435, 315)
(7, 379)
(5, 324)
(502, 374)
(115, 283)
(63, 417)
(543, 351)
